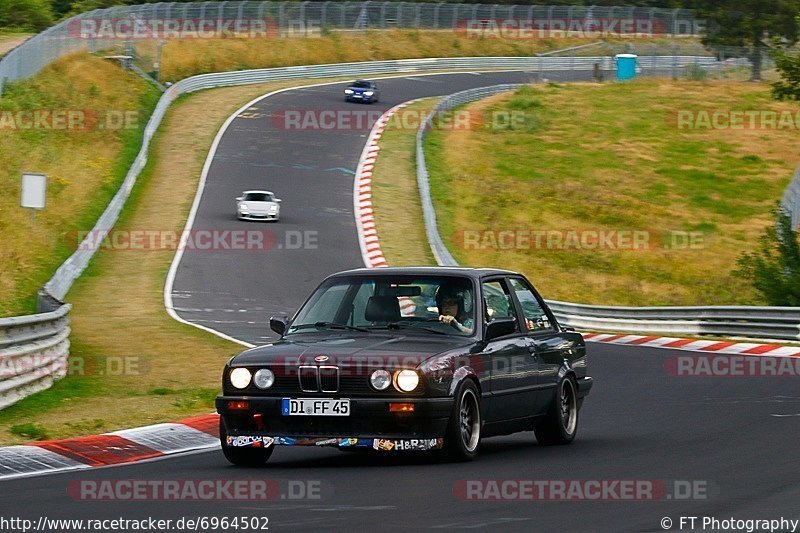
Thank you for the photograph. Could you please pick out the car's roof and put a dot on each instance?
(427, 271)
(259, 192)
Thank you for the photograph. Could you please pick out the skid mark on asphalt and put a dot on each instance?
(477, 525)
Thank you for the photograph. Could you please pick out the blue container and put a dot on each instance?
(626, 66)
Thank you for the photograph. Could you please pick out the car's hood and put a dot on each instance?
(393, 351)
(360, 89)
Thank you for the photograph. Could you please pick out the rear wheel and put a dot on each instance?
(561, 424)
(243, 456)
(463, 437)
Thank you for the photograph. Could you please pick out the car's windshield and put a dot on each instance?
(361, 84)
(258, 197)
(418, 304)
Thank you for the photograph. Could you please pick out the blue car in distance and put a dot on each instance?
(362, 91)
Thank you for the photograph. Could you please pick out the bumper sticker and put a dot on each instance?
(257, 441)
(253, 441)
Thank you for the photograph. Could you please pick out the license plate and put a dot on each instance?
(315, 407)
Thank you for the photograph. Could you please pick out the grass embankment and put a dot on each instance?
(398, 211)
(612, 158)
(118, 318)
(84, 164)
(186, 57)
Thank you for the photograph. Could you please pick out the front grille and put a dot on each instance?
(329, 378)
(309, 378)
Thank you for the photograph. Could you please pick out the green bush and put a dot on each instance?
(775, 268)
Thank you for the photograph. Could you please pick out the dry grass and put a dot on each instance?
(182, 58)
(9, 41)
(395, 195)
(84, 168)
(610, 157)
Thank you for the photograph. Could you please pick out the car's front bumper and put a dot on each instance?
(369, 419)
(259, 216)
(359, 98)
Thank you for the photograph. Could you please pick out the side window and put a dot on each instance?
(535, 317)
(497, 301)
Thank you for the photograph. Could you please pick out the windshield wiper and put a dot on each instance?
(406, 325)
(330, 325)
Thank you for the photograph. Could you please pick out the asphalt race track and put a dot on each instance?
(639, 423)
(235, 292)
(734, 440)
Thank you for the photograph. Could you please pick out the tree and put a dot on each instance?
(775, 267)
(788, 88)
(25, 14)
(755, 24)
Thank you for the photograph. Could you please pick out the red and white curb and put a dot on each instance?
(119, 447)
(362, 199)
(694, 345)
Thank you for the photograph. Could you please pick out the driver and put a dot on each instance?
(450, 302)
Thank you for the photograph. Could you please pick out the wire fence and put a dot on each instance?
(104, 29)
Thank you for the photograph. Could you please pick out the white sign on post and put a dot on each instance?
(34, 187)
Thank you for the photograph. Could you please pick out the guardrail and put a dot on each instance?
(33, 353)
(752, 322)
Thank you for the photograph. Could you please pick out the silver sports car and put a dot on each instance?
(258, 205)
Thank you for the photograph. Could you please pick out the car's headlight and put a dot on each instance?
(380, 379)
(273, 208)
(348, 91)
(406, 380)
(240, 378)
(264, 378)
(368, 93)
(242, 207)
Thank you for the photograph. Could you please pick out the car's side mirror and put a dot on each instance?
(500, 327)
(240, 198)
(278, 200)
(279, 323)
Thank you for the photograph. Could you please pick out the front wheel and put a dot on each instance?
(561, 424)
(463, 437)
(243, 456)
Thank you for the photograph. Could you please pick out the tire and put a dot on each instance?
(243, 456)
(561, 423)
(463, 438)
